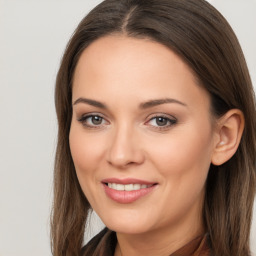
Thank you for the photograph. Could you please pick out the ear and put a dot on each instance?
(229, 131)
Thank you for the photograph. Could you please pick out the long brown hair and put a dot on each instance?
(200, 35)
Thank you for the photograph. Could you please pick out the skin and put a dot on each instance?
(123, 73)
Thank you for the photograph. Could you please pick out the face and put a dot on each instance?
(141, 135)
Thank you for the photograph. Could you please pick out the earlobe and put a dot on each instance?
(229, 130)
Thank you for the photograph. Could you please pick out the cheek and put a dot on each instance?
(185, 154)
(86, 153)
(183, 161)
(86, 150)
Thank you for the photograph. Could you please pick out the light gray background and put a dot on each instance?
(33, 35)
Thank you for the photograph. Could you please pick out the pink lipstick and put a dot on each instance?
(126, 191)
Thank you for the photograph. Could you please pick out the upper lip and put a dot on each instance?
(127, 181)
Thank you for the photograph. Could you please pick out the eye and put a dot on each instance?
(162, 122)
(92, 121)
(96, 120)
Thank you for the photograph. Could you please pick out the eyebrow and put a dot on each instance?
(90, 102)
(144, 105)
(156, 102)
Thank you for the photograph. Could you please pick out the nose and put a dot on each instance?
(125, 149)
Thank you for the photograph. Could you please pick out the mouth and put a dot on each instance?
(127, 187)
(127, 190)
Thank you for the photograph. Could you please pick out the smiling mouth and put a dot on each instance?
(127, 187)
(128, 190)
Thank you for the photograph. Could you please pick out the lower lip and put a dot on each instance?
(126, 197)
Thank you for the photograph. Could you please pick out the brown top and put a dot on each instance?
(197, 247)
(104, 244)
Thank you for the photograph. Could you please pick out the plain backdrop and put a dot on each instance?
(33, 35)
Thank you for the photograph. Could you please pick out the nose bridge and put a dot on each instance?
(124, 147)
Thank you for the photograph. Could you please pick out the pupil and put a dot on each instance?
(161, 121)
(97, 120)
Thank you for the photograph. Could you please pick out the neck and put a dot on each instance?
(160, 242)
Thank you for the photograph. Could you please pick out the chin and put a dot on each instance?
(127, 223)
(127, 229)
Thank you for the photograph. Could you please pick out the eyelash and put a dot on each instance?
(83, 119)
(171, 121)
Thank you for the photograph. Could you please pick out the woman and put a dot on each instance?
(156, 118)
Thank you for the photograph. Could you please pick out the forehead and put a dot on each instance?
(117, 66)
(122, 53)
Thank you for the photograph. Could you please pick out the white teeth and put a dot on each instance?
(136, 186)
(127, 187)
(119, 187)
